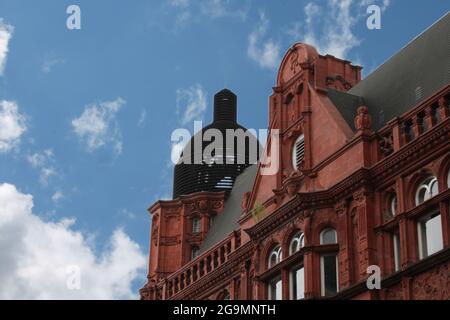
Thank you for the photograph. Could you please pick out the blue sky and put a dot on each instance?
(91, 111)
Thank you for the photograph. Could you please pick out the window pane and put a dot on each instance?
(329, 275)
(430, 235)
(196, 225)
(298, 284)
(275, 290)
(433, 229)
(434, 188)
(328, 236)
(448, 179)
(396, 244)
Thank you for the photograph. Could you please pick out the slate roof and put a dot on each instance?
(227, 221)
(413, 74)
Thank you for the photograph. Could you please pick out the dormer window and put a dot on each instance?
(298, 152)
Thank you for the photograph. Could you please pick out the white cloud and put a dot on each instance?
(222, 8)
(127, 214)
(97, 125)
(142, 118)
(198, 10)
(329, 28)
(37, 256)
(179, 3)
(265, 52)
(6, 32)
(191, 104)
(12, 125)
(57, 196)
(48, 65)
(44, 163)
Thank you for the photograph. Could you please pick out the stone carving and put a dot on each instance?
(363, 120)
(298, 57)
(433, 285)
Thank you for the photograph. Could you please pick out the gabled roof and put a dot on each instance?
(413, 74)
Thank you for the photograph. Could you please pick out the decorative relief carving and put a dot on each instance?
(386, 145)
(433, 284)
(341, 207)
(170, 241)
(217, 205)
(298, 58)
(363, 120)
(338, 82)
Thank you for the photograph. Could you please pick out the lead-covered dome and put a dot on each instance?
(192, 175)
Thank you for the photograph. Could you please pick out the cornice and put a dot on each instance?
(309, 201)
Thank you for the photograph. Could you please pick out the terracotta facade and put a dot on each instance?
(356, 180)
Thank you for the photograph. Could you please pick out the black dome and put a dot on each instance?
(190, 177)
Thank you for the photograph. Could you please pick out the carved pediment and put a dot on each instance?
(297, 56)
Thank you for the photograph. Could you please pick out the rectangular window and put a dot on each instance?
(329, 275)
(297, 283)
(430, 235)
(396, 247)
(275, 289)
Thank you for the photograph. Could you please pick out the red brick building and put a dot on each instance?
(364, 180)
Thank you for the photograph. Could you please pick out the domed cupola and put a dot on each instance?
(193, 173)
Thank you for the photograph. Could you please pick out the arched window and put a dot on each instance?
(297, 242)
(393, 205)
(328, 236)
(275, 256)
(448, 178)
(196, 225)
(194, 252)
(426, 190)
(298, 152)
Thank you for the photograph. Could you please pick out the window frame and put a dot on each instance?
(448, 179)
(393, 205)
(423, 235)
(427, 184)
(295, 163)
(196, 225)
(322, 274)
(194, 252)
(273, 283)
(278, 252)
(322, 233)
(396, 251)
(299, 239)
(292, 279)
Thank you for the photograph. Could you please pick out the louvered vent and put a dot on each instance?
(298, 154)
